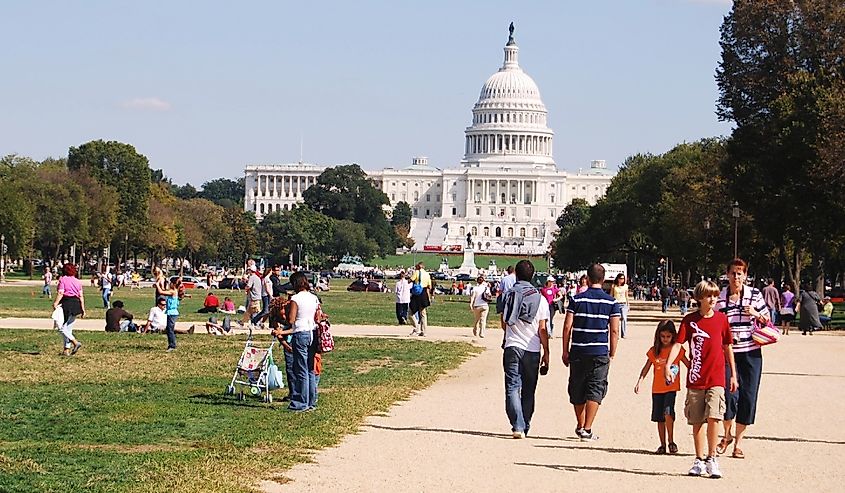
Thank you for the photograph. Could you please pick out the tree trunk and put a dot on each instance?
(818, 273)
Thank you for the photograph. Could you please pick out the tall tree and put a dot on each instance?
(345, 193)
(782, 81)
(224, 192)
(122, 167)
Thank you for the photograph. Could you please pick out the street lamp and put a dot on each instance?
(735, 214)
(299, 256)
(706, 246)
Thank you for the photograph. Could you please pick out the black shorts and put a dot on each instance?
(662, 405)
(588, 378)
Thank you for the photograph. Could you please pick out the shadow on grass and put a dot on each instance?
(801, 374)
(500, 436)
(226, 400)
(610, 450)
(564, 467)
(794, 439)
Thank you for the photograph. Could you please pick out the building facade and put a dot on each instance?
(506, 194)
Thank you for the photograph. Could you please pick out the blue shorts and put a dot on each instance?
(662, 405)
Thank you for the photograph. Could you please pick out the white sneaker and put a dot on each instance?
(587, 436)
(697, 468)
(713, 468)
(519, 434)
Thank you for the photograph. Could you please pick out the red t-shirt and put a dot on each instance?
(211, 301)
(706, 337)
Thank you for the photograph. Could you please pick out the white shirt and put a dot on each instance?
(157, 318)
(507, 283)
(267, 287)
(476, 295)
(403, 291)
(306, 307)
(524, 335)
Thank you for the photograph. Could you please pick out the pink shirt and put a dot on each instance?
(70, 286)
(549, 293)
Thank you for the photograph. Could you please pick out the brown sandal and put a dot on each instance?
(723, 445)
(738, 454)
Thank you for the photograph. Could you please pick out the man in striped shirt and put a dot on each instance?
(590, 334)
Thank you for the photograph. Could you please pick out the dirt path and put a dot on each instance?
(455, 436)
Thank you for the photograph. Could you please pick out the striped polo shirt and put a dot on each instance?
(591, 312)
(741, 324)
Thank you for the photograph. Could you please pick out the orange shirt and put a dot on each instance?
(658, 385)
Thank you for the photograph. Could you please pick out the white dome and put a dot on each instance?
(510, 84)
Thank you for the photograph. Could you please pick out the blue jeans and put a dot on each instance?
(289, 371)
(665, 304)
(265, 309)
(402, 312)
(684, 306)
(521, 371)
(304, 387)
(46, 290)
(171, 331)
(106, 296)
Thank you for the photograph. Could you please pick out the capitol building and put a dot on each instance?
(506, 193)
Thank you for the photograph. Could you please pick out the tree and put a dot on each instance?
(280, 232)
(345, 193)
(402, 215)
(16, 219)
(202, 228)
(186, 191)
(120, 166)
(224, 192)
(567, 252)
(240, 241)
(781, 80)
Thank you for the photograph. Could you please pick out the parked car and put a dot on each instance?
(369, 286)
(191, 282)
(463, 277)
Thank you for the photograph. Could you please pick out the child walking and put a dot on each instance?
(663, 393)
(709, 335)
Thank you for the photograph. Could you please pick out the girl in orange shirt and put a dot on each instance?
(662, 392)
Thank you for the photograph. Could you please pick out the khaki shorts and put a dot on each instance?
(255, 306)
(704, 404)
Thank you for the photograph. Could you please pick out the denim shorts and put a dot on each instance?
(663, 405)
(588, 378)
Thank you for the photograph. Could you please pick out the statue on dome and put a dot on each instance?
(510, 30)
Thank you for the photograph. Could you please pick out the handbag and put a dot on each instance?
(58, 317)
(324, 336)
(765, 334)
(275, 380)
(416, 289)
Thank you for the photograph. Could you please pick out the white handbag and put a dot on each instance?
(58, 317)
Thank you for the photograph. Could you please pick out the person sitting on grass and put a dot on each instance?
(210, 305)
(118, 319)
(228, 306)
(157, 318)
(710, 347)
(219, 329)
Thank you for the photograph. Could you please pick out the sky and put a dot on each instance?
(204, 88)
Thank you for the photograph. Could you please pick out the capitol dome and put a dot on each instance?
(509, 119)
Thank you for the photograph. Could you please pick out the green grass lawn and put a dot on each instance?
(123, 415)
(343, 306)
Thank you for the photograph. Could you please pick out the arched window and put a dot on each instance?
(286, 207)
(522, 232)
(474, 231)
(535, 233)
(498, 232)
(461, 231)
(261, 208)
(510, 232)
(487, 233)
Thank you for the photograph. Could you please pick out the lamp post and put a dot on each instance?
(706, 246)
(2, 258)
(735, 214)
(299, 256)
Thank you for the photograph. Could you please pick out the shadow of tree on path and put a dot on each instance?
(572, 468)
(502, 436)
(610, 450)
(793, 439)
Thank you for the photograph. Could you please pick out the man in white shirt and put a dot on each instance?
(157, 319)
(524, 322)
(505, 285)
(403, 298)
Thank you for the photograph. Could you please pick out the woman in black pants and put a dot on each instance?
(742, 304)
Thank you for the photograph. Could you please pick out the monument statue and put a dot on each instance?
(469, 240)
(510, 30)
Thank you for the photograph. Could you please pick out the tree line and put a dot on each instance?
(105, 195)
(781, 81)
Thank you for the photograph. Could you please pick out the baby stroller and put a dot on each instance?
(256, 371)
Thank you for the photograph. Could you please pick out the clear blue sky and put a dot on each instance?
(203, 88)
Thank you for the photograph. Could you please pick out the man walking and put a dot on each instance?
(524, 322)
(420, 299)
(505, 285)
(592, 328)
(772, 299)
